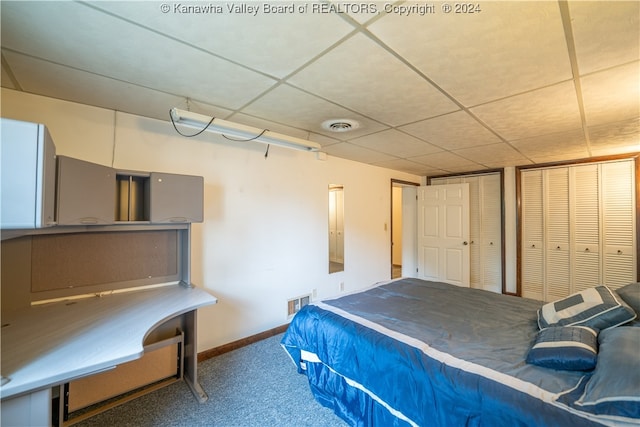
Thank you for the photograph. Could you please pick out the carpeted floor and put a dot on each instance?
(257, 385)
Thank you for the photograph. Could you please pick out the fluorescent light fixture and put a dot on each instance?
(240, 132)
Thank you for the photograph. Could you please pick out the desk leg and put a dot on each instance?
(191, 356)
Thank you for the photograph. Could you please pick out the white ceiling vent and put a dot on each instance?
(340, 125)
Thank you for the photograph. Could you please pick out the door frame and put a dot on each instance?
(395, 183)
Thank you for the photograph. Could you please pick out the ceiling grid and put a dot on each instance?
(513, 83)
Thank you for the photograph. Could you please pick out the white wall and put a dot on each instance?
(264, 238)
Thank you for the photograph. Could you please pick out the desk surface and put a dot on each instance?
(46, 345)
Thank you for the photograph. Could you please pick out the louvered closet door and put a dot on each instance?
(557, 270)
(585, 216)
(618, 224)
(532, 261)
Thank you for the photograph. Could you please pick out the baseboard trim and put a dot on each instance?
(217, 351)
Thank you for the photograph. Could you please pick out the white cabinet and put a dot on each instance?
(32, 409)
(28, 177)
(578, 228)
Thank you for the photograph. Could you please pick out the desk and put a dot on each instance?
(48, 345)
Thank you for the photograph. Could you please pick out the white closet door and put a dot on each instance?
(475, 233)
(557, 268)
(491, 234)
(618, 223)
(485, 229)
(585, 217)
(443, 233)
(532, 214)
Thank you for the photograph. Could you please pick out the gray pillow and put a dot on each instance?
(631, 295)
(614, 388)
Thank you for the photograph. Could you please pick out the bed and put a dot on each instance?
(416, 353)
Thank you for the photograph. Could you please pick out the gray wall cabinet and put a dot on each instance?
(175, 198)
(86, 192)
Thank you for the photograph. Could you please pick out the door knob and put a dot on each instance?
(465, 243)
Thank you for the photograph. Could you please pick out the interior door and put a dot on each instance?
(443, 233)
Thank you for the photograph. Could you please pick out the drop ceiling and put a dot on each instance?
(513, 83)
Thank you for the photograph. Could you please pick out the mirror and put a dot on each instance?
(336, 228)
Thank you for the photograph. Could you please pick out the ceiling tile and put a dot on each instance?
(541, 158)
(364, 77)
(7, 79)
(410, 167)
(395, 143)
(261, 39)
(554, 144)
(323, 140)
(73, 34)
(483, 56)
(549, 110)
(612, 95)
(361, 12)
(612, 151)
(266, 124)
(494, 154)
(452, 131)
(615, 136)
(507, 67)
(447, 161)
(357, 153)
(299, 109)
(465, 167)
(606, 33)
(56, 81)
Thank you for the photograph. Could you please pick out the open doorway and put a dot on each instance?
(396, 225)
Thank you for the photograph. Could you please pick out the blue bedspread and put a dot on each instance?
(412, 352)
